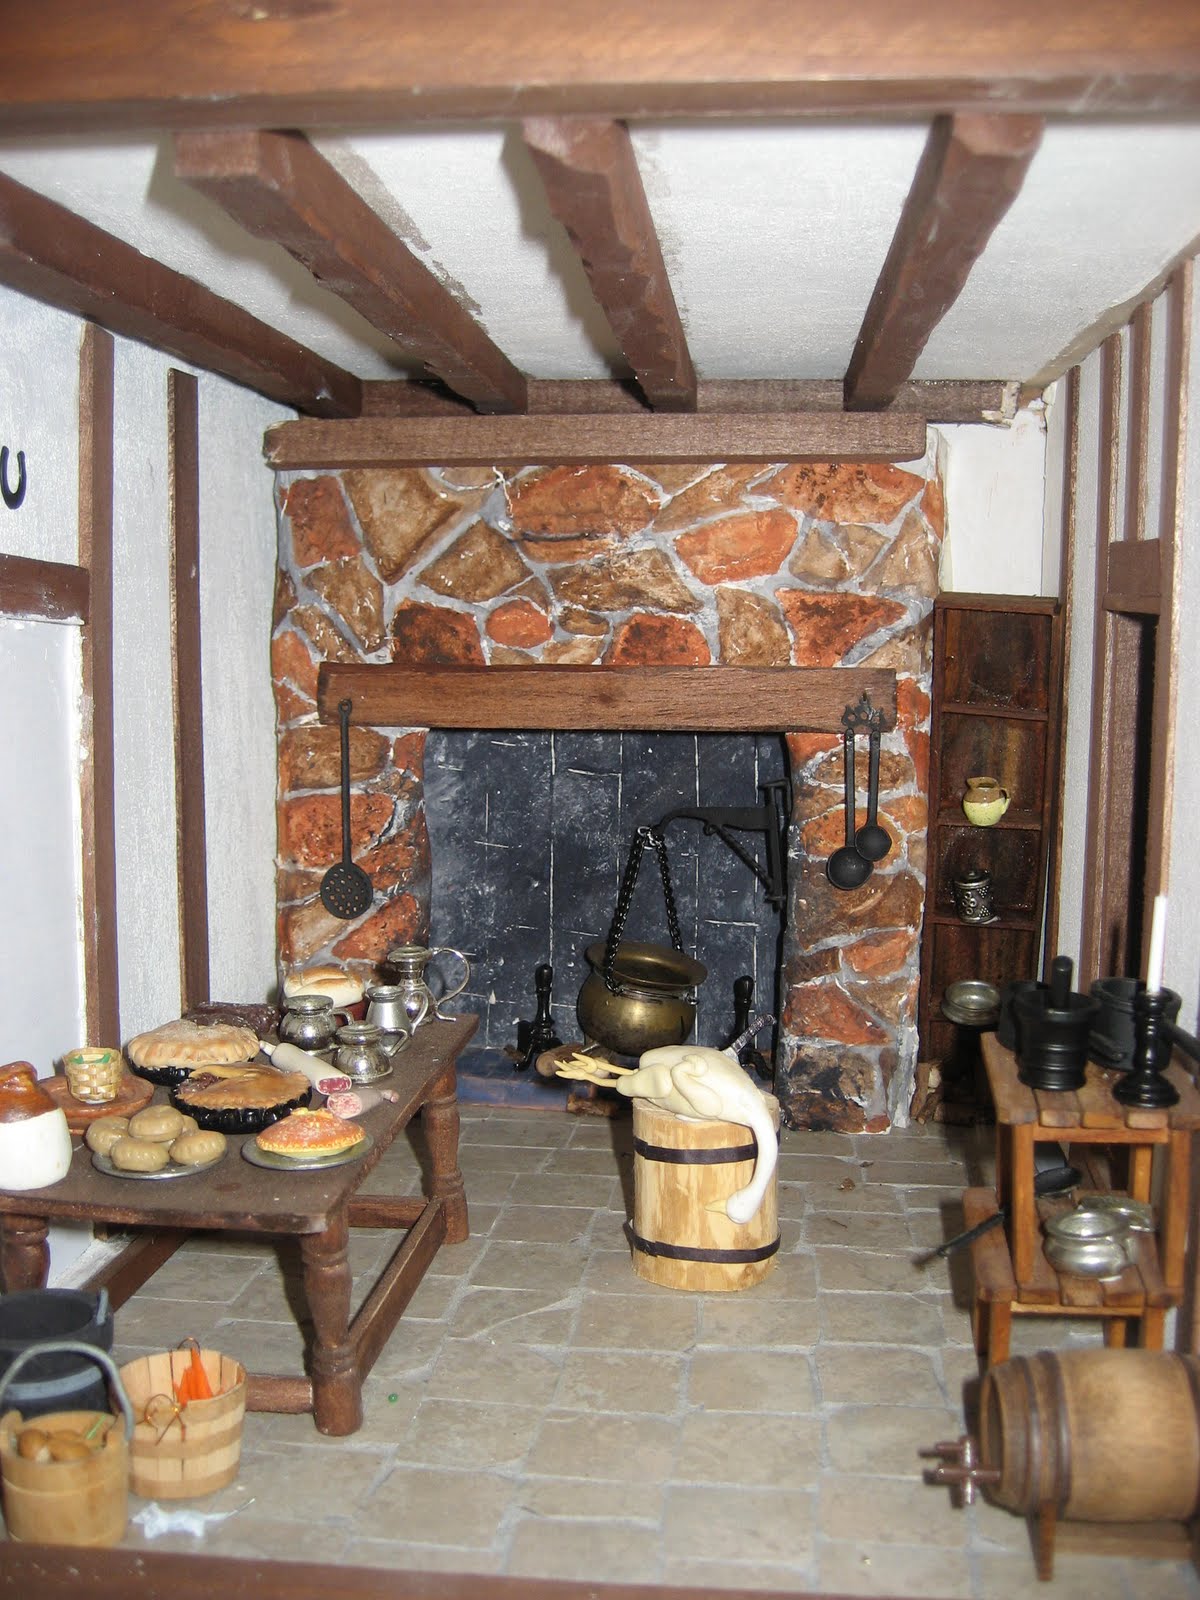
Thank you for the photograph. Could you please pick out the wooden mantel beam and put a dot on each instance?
(970, 173)
(592, 182)
(555, 697)
(52, 255)
(552, 439)
(277, 187)
(71, 65)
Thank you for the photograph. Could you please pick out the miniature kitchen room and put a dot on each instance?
(596, 807)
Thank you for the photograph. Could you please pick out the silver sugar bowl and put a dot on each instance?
(308, 1022)
(361, 1054)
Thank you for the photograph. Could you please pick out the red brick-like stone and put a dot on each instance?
(304, 931)
(425, 635)
(397, 862)
(911, 563)
(321, 525)
(647, 640)
(579, 502)
(751, 630)
(825, 1011)
(402, 511)
(284, 600)
(327, 639)
(291, 663)
(408, 754)
(832, 553)
(826, 627)
(623, 582)
(876, 954)
(519, 624)
(355, 595)
(912, 703)
(311, 757)
(310, 827)
(933, 504)
(733, 549)
(720, 490)
(573, 652)
(805, 747)
(478, 566)
(843, 492)
(398, 921)
(290, 706)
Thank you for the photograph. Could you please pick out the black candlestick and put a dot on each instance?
(541, 1030)
(1144, 1085)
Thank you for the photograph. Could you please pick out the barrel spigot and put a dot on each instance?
(960, 1468)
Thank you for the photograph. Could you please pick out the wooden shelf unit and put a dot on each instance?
(1012, 1275)
(996, 708)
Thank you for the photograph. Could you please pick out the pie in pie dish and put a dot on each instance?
(308, 1134)
(166, 1054)
(240, 1099)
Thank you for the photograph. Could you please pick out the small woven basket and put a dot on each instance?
(181, 1452)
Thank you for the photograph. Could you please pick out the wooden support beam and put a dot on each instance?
(594, 188)
(47, 591)
(969, 174)
(654, 436)
(72, 65)
(191, 846)
(953, 400)
(52, 255)
(1134, 577)
(277, 187)
(555, 697)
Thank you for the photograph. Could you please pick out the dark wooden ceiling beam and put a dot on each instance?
(652, 436)
(52, 255)
(970, 172)
(594, 188)
(277, 187)
(966, 400)
(73, 64)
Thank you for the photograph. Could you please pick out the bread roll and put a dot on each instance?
(160, 1123)
(195, 1149)
(138, 1155)
(102, 1134)
(343, 988)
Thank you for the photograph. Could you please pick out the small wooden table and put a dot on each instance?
(318, 1207)
(1012, 1275)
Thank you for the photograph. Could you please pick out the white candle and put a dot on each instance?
(1158, 941)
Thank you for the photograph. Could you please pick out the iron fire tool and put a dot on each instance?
(541, 1030)
(1053, 1176)
(741, 1041)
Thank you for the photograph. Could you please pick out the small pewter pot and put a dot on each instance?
(396, 1009)
(973, 896)
(1089, 1243)
(361, 1053)
(308, 1022)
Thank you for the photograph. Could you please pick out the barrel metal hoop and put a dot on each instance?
(710, 1157)
(1192, 1368)
(1065, 1461)
(686, 1252)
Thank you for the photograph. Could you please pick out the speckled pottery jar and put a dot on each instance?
(35, 1142)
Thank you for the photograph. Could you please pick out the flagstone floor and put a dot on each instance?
(542, 1411)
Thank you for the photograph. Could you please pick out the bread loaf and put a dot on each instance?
(157, 1123)
(104, 1133)
(138, 1155)
(196, 1149)
(343, 988)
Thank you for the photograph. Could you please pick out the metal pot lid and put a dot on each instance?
(649, 966)
(972, 1003)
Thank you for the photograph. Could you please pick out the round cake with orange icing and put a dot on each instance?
(308, 1134)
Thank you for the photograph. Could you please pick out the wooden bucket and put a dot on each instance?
(681, 1166)
(67, 1502)
(180, 1453)
(1102, 1435)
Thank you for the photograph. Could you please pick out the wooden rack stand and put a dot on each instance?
(1012, 1275)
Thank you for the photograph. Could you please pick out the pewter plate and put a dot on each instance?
(972, 1003)
(171, 1170)
(1135, 1214)
(258, 1157)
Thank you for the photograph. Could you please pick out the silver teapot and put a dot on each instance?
(408, 962)
(309, 1022)
(361, 1053)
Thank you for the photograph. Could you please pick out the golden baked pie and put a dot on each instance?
(310, 1133)
(192, 1044)
(241, 1088)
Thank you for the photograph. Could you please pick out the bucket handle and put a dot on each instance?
(74, 1347)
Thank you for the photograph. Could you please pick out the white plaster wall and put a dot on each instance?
(994, 480)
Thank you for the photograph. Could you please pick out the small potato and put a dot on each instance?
(161, 1123)
(33, 1445)
(138, 1155)
(194, 1149)
(65, 1447)
(102, 1134)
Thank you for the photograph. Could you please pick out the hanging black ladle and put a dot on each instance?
(846, 869)
(871, 841)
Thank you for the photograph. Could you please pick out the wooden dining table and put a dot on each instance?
(318, 1207)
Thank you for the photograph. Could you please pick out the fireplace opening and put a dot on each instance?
(530, 836)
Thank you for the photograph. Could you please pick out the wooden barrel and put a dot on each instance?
(680, 1167)
(1102, 1435)
(66, 1502)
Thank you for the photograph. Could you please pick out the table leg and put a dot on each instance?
(337, 1384)
(440, 1117)
(1022, 1218)
(24, 1253)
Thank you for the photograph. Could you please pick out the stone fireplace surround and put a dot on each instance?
(748, 565)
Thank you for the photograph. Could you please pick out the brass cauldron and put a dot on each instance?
(652, 1004)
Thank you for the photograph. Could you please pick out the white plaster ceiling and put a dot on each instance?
(773, 235)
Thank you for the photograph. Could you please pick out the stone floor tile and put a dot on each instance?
(663, 1320)
(587, 1190)
(849, 1374)
(511, 1316)
(806, 1168)
(468, 1434)
(194, 1275)
(544, 1268)
(912, 1174)
(751, 1380)
(542, 1224)
(260, 1535)
(480, 1160)
(399, 1556)
(745, 1321)
(712, 1576)
(474, 1370)
(620, 1380)
(537, 1132)
(744, 1448)
(607, 1552)
(571, 1445)
(1075, 1578)
(611, 1272)
(162, 1324)
(880, 1319)
(410, 1351)
(852, 1194)
(793, 1277)
(890, 1510)
(863, 1568)
(858, 1230)
(757, 1525)
(437, 1507)
(632, 1500)
(895, 1272)
(887, 1439)
(313, 1488)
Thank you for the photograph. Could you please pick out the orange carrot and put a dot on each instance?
(200, 1386)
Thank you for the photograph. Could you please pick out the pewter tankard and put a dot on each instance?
(408, 962)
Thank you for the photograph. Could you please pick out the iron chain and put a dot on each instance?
(642, 837)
